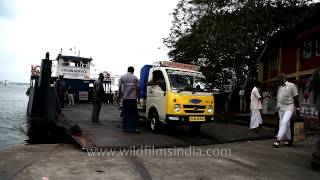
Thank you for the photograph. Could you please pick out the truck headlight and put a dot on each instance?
(177, 107)
(210, 109)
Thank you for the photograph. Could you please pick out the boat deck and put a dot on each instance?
(108, 132)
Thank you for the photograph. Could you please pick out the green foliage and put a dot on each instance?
(226, 37)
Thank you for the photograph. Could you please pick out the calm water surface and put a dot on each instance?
(13, 123)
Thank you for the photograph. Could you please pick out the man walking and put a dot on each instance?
(130, 91)
(255, 107)
(98, 93)
(71, 96)
(287, 103)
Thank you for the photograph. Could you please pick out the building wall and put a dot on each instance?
(311, 63)
(298, 59)
(289, 59)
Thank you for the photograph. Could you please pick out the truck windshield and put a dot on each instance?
(187, 81)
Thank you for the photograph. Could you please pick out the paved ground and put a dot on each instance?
(107, 133)
(238, 160)
(243, 160)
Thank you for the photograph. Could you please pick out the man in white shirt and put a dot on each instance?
(287, 101)
(255, 107)
(129, 86)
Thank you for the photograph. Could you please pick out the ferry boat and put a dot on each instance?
(76, 73)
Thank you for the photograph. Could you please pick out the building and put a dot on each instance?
(297, 54)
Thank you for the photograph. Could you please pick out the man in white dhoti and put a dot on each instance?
(287, 103)
(255, 107)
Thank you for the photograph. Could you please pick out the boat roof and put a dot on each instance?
(73, 58)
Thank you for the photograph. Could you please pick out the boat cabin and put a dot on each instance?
(76, 71)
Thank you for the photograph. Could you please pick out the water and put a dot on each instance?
(13, 122)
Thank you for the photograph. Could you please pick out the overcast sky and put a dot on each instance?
(115, 33)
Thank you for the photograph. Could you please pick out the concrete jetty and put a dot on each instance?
(108, 133)
(171, 154)
(246, 160)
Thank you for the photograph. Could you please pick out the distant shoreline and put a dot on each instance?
(15, 83)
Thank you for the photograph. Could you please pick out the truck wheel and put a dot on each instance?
(154, 122)
(194, 127)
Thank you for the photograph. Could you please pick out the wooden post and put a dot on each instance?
(298, 63)
(280, 60)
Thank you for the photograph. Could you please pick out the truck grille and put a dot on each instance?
(193, 111)
(194, 108)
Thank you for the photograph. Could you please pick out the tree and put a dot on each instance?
(227, 37)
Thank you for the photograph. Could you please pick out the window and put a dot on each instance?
(65, 63)
(77, 64)
(307, 49)
(157, 76)
(83, 64)
(187, 81)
